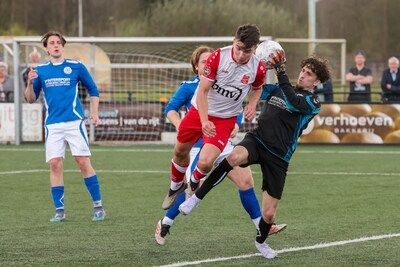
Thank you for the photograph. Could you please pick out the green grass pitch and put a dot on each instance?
(332, 194)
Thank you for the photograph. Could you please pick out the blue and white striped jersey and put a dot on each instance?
(59, 83)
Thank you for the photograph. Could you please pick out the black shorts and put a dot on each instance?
(273, 169)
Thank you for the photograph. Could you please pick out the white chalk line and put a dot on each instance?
(170, 150)
(167, 171)
(293, 249)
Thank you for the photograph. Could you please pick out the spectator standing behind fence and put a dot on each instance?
(6, 84)
(34, 59)
(360, 78)
(325, 91)
(390, 82)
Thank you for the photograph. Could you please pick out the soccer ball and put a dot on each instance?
(266, 48)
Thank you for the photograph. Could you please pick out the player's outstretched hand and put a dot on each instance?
(277, 60)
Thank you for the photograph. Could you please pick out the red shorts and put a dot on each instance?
(190, 129)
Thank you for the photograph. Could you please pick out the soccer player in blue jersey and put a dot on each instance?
(284, 116)
(64, 123)
(242, 177)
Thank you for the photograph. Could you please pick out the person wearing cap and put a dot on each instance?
(360, 78)
(390, 82)
(6, 84)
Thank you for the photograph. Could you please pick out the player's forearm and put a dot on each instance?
(202, 99)
(94, 100)
(174, 118)
(254, 96)
(30, 94)
(202, 105)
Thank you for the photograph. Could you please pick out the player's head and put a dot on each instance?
(247, 37)
(54, 43)
(199, 58)
(314, 70)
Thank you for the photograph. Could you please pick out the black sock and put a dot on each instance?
(264, 230)
(215, 177)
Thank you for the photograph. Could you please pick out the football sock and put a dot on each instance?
(93, 186)
(177, 175)
(173, 211)
(264, 228)
(167, 221)
(256, 221)
(250, 204)
(215, 177)
(57, 193)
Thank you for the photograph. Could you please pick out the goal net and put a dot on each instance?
(136, 77)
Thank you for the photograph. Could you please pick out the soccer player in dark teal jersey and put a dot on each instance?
(284, 116)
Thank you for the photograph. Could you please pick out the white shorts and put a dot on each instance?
(194, 156)
(59, 134)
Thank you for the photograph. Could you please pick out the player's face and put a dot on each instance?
(307, 79)
(202, 62)
(240, 54)
(55, 47)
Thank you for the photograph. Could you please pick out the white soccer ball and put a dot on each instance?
(266, 48)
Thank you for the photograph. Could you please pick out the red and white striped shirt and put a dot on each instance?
(232, 82)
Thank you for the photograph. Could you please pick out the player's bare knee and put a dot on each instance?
(268, 215)
(84, 164)
(205, 165)
(180, 154)
(233, 159)
(56, 164)
(243, 183)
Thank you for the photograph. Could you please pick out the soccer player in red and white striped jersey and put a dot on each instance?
(231, 73)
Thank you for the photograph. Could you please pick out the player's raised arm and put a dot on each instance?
(30, 95)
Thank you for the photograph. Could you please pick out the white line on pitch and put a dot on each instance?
(317, 246)
(169, 150)
(166, 171)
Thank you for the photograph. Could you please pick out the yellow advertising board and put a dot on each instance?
(355, 124)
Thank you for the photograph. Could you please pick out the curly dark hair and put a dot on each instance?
(318, 65)
(46, 37)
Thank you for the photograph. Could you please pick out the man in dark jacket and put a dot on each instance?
(390, 82)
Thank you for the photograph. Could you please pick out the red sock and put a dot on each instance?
(177, 172)
(197, 174)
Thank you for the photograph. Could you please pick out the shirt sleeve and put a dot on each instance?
(88, 81)
(304, 104)
(211, 67)
(267, 90)
(179, 99)
(260, 76)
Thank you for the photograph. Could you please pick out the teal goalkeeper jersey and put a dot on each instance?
(59, 83)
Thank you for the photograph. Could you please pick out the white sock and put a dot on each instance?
(175, 186)
(256, 221)
(97, 203)
(167, 221)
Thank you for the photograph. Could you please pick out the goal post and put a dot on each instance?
(135, 76)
